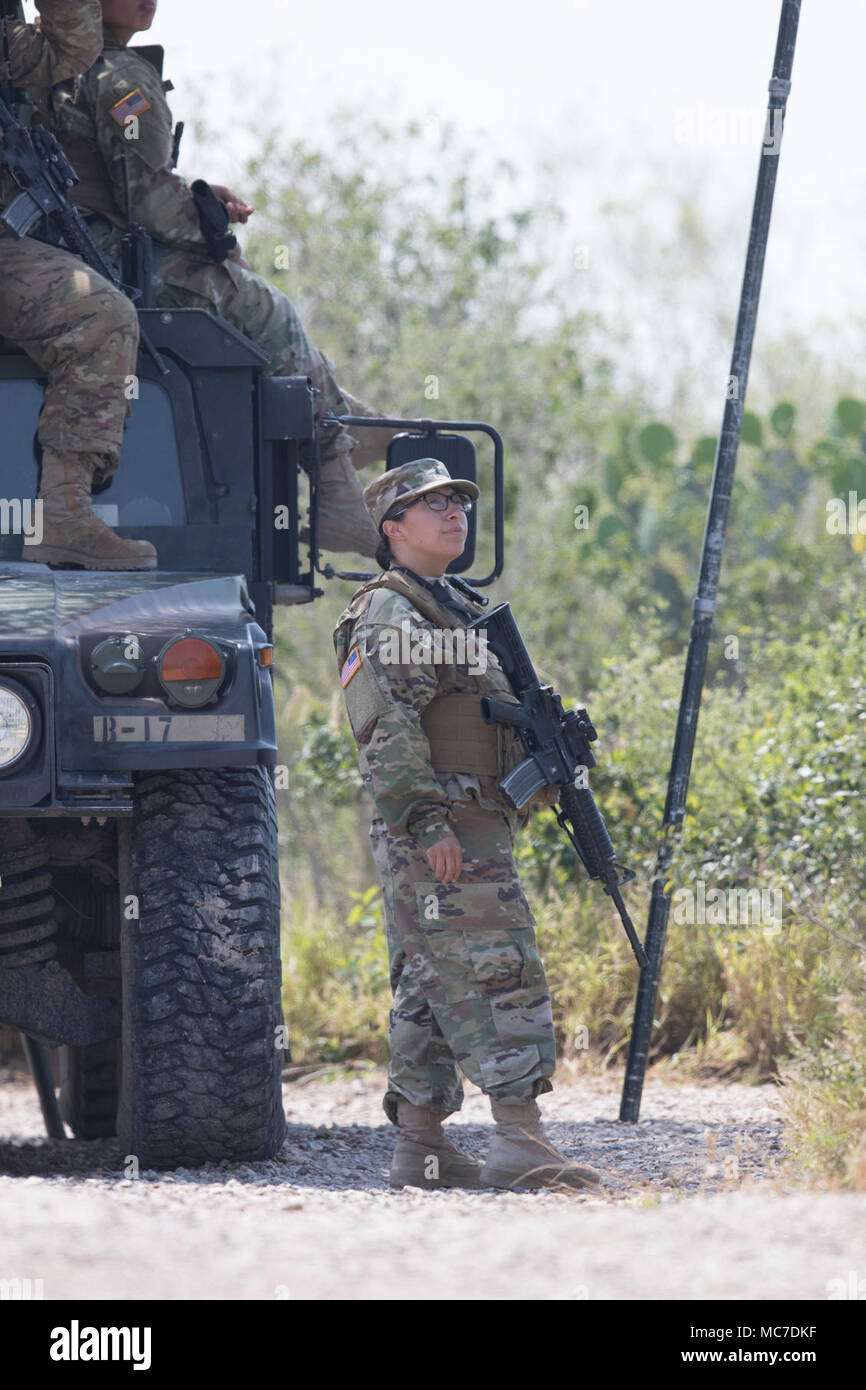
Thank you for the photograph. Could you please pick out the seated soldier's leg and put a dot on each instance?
(373, 441)
(268, 316)
(84, 334)
(251, 305)
(344, 522)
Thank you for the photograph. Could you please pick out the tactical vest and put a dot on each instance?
(459, 739)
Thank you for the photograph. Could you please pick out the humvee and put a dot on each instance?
(140, 894)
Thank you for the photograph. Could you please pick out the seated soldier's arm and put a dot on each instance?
(238, 210)
(65, 41)
(128, 104)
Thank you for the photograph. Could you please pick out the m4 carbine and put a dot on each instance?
(35, 159)
(556, 742)
(37, 163)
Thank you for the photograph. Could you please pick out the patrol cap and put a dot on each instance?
(408, 481)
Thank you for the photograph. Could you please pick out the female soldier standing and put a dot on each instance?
(469, 986)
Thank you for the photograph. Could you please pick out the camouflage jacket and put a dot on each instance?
(385, 701)
(63, 42)
(119, 105)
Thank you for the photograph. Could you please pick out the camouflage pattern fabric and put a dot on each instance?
(119, 104)
(182, 281)
(469, 986)
(72, 322)
(64, 41)
(408, 481)
(82, 332)
(385, 700)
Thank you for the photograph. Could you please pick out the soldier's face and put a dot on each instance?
(437, 536)
(127, 17)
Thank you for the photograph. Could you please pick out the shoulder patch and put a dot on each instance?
(351, 666)
(133, 104)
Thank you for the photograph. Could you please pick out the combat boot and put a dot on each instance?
(344, 522)
(72, 533)
(521, 1155)
(423, 1157)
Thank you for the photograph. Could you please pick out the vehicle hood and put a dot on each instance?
(38, 602)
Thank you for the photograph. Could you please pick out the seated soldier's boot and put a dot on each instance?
(423, 1157)
(72, 533)
(372, 441)
(521, 1155)
(344, 522)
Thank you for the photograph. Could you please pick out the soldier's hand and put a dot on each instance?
(446, 858)
(238, 210)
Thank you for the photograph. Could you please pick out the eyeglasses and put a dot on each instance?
(437, 502)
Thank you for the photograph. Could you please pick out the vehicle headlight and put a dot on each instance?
(117, 665)
(16, 727)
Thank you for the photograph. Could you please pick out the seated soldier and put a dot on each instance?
(118, 107)
(73, 323)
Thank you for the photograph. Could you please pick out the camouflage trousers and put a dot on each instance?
(82, 332)
(469, 987)
(255, 308)
(183, 280)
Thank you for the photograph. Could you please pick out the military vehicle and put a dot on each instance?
(140, 896)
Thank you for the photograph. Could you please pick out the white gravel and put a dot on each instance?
(694, 1207)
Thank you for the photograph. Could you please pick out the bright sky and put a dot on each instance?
(668, 89)
(678, 81)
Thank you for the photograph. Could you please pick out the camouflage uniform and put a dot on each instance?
(119, 104)
(66, 317)
(468, 983)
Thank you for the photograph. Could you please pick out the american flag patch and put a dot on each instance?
(350, 666)
(131, 105)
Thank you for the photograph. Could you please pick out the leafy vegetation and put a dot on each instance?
(431, 296)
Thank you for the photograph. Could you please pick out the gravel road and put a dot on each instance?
(694, 1207)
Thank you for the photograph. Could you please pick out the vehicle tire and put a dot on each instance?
(89, 1088)
(201, 1056)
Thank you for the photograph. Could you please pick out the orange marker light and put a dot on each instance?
(191, 670)
(191, 659)
(266, 656)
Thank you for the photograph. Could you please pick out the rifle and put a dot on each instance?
(35, 159)
(556, 742)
